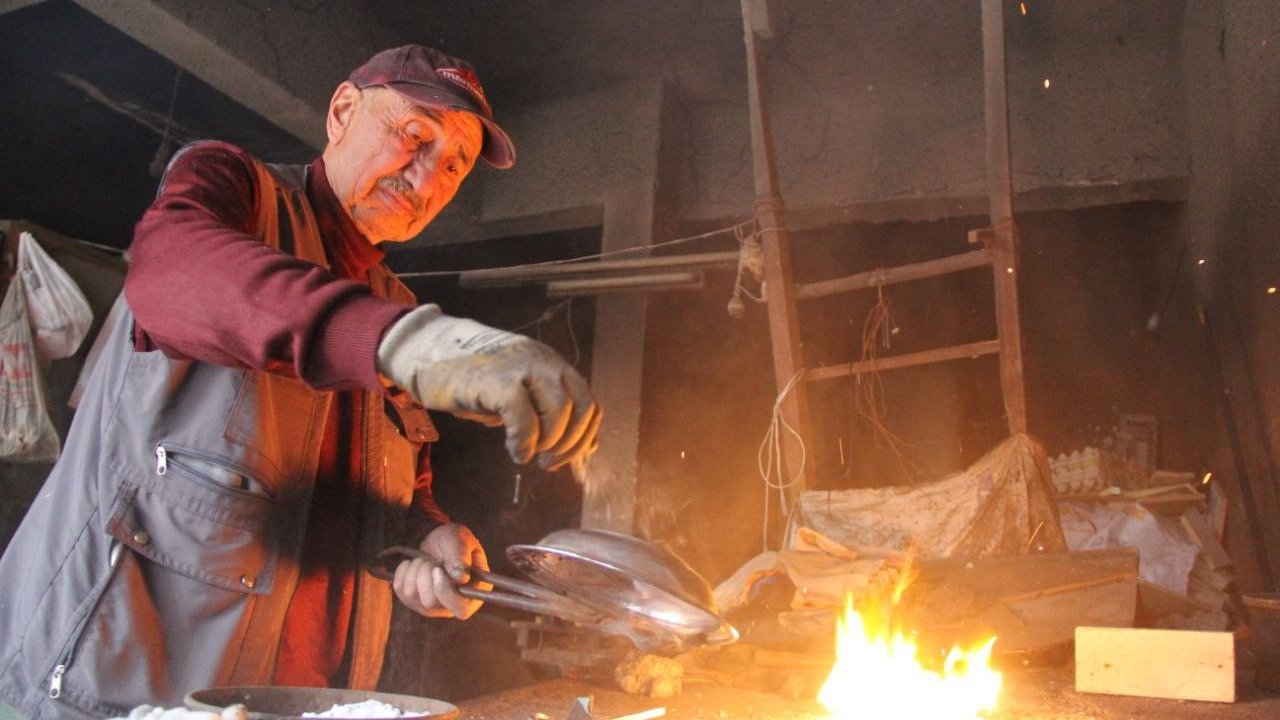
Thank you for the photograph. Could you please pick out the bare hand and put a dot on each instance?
(428, 587)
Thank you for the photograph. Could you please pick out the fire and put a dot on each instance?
(877, 674)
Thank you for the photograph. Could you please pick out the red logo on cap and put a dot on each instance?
(467, 80)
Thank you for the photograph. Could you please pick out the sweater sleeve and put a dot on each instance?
(425, 514)
(202, 287)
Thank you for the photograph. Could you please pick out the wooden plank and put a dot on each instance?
(957, 352)
(1004, 246)
(779, 287)
(1193, 521)
(1175, 664)
(1217, 510)
(1031, 603)
(888, 276)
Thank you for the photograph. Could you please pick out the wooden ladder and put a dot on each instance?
(782, 293)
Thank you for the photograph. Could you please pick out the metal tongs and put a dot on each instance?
(619, 584)
(522, 595)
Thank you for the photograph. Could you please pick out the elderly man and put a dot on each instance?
(254, 432)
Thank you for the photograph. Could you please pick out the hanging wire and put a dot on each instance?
(546, 317)
(769, 460)
(163, 152)
(869, 389)
(596, 256)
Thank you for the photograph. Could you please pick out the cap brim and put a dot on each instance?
(497, 150)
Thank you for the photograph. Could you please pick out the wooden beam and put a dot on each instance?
(1174, 664)
(8, 6)
(1004, 247)
(957, 352)
(1206, 538)
(166, 33)
(891, 275)
(784, 319)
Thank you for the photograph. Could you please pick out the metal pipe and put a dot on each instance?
(630, 283)
(528, 274)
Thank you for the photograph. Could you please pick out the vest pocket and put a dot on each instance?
(208, 522)
(206, 469)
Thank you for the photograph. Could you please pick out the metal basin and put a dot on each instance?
(288, 703)
(646, 587)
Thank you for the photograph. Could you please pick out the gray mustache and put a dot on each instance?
(402, 188)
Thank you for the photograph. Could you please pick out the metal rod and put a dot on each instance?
(631, 283)
(955, 352)
(542, 273)
(1004, 245)
(889, 276)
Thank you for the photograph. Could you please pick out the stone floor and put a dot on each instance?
(1029, 694)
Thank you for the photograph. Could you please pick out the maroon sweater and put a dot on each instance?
(202, 287)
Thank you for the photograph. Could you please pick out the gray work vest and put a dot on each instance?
(163, 550)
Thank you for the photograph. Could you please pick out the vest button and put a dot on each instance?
(142, 538)
(247, 581)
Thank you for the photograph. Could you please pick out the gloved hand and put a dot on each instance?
(424, 585)
(496, 377)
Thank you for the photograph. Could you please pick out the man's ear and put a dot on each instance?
(342, 109)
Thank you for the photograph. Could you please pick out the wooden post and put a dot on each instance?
(784, 322)
(1004, 243)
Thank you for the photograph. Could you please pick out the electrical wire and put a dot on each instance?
(869, 390)
(769, 458)
(546, 317)
(735, 228)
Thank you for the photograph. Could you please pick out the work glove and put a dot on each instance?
(428, 585)
(495, 377)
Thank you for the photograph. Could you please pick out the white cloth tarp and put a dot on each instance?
(1001, 505)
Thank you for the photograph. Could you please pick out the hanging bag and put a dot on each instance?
(26, 432)
(60, 315)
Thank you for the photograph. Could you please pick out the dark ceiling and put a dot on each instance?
(84, 110)
(87, 111)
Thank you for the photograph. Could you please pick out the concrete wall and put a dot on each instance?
(878, 103)
(1231, 61)
(872, 102)
(875, 101)
(570, 153)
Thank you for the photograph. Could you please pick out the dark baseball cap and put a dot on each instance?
(433, 79)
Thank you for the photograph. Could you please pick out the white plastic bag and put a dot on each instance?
(60, 315)
(26, 432)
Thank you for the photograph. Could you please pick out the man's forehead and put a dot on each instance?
(435, 114)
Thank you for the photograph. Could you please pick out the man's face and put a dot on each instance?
(394, 164)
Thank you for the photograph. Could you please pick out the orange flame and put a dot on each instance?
(877, 675)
